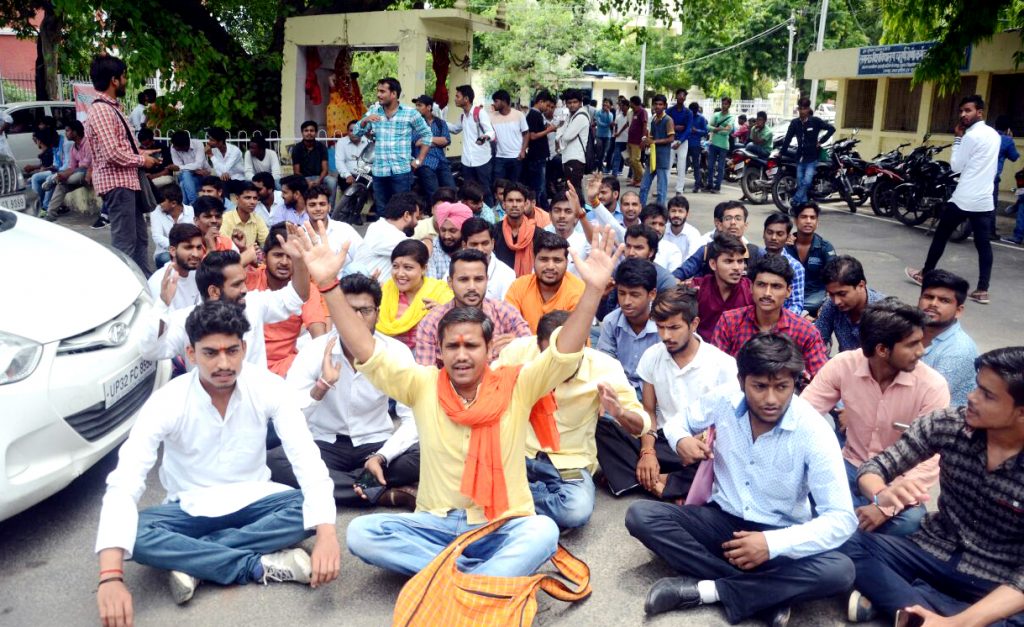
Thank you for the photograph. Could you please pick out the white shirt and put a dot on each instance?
(340, 232)
(474, 155)
(499, 278)
(375, 251)
(354, 408)
(572, 137)
(262, 307)
(264, 211)
(975, 157)
(192, 159)
(688, 240)
(160, 224)
(622, 120)
(677, 387)
(229, 162)
(213, 466)
(269, 163)
(669, 256)
(509, 131)
(346, 155)
(137, 118)
(186, 293)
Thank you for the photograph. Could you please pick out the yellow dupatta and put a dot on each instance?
(389, 323)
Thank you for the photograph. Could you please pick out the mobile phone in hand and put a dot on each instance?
(370, 486)
(906, 619)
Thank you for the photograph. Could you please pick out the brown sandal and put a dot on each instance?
(403, 497)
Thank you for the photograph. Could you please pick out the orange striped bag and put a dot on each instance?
(440, 594)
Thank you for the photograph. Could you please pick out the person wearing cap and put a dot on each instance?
(448, 218)
(435, 171)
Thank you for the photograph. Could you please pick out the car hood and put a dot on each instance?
(56, 283)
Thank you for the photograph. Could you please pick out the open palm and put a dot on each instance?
(322, 263)
(596, 270)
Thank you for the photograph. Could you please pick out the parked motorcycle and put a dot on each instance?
(350, 206)
(884, 174)
(831, 176)
(926, 190)
(755, 182)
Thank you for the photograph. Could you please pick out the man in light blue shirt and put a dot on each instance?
(948, 348)
(771, 452)
(628, 331)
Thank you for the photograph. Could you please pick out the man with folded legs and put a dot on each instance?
(757, 546)
(223, 520)
(472, 422)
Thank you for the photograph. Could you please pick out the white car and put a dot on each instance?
(25, 117)
(71, 377)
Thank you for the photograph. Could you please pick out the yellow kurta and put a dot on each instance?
(444, 444)
(256, 230)
(579, 404)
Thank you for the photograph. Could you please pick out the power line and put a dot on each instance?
(760, 35)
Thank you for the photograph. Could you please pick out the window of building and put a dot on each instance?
(860, 103)
(1005, 98)
(945, 109)
(902, 106)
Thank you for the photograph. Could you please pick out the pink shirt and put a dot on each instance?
(870, 412)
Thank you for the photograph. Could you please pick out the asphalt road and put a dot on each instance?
(48, 573)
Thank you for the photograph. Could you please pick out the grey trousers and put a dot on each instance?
(128, 231)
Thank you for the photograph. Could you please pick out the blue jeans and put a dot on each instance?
(221, 549)
(406, 543)
(507, 168)
(384, 187)
(620, 147)
(645, 185)
(433, 178)
(483, 174)
(804, 179)
(895, 573)
(1018, 230)
(903, 524)
(607, 147)
(535, 177)
(36, 182)
(693, 156)
(189, 182)
(716, 166)
(567, 502)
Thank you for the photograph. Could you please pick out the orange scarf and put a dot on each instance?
(523, 247)
(483, 478)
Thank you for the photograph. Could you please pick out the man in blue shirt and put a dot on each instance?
(947, 347)
(848, 297)
(698, 131)
(660, 137)
(435, 171)
(807, 129)
(813, 251)
(682, 117)
(604, 119)
(628, 331)
(1007, 150)
(757, 546)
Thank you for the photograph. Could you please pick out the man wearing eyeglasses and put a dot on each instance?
(730, 218)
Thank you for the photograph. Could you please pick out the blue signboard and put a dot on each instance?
(897, 58)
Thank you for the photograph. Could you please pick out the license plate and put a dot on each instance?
(13, 203)
(116, 387)
(772, 171)
(868, 180)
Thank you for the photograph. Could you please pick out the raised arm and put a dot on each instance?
(596, 271)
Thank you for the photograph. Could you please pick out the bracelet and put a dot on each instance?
(647, 451)
(108, 580)
(333, 284)
(323, 385)
(111, 570)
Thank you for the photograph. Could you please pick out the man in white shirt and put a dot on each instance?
(226, 161)
(188, 158)
(680, 369)
(346, 156)
(186, 253)
(476, 144)
(478, 234)
(656, 217)
(268, 199)
(169, 212)
(565, 222)
(572, 138)
(510, 129)
(623, 117)
(349, 417)
(259, 158)
(223, 520)
(374, 255)
(975, 158)
(318, 209)
(137, 118)
(685, 236)
(221, 276)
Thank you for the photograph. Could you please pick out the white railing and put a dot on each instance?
(241, 138)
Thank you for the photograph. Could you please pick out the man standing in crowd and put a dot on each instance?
(621, 131)
(682, 120)
(573, 138)
(395, 127)
(549, 286)
(116, 162)
(698, 131)
(807, 129)
(659, 140)
(309, 158)
(435, 171)
(757, 547)
(510, 130)
(881, 384)
(477, 164)
(635, 137)
(813, 251)
(604, 120)
(536, 162)
(975, 158)
(722, 125)
(848, 297)
(947, 347)
(478, 234)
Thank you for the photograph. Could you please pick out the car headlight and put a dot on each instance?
(18, 357)
(143, 283)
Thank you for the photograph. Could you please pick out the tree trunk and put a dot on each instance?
(47, 42)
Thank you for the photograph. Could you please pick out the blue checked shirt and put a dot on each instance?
(438, 128)
(795, 302)
(952, 354)
(769, 480)
(620, 341)
(393, 136)
(830, 320)
(437, 265)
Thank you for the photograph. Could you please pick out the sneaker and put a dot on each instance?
(101, 222)
(288, 565)
(914, 275)
(183, 586)
(858, 608)
(50, 183)
(980, 297)
(780, 617)
(1010, 240)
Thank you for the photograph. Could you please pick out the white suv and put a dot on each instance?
(71, 377)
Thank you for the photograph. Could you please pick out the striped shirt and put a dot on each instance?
(114, 161)
(393, 136)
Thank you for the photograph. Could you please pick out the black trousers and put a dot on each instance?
(573, 172)
(690, 539)
(345, 465)
(618, 453)
(982, 225)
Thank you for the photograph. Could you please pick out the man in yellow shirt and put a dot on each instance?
(549, 287)
(244, 220)
(562, 481)
(472, 422)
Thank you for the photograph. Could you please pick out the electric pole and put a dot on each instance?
(818, 47)
(791, 27)
(643, 51)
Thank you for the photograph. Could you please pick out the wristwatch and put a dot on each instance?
(417, 162)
